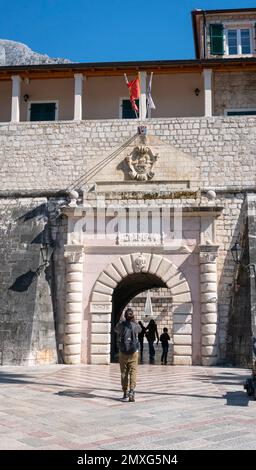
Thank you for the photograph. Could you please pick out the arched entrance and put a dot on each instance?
(125, 291)
(119, 282)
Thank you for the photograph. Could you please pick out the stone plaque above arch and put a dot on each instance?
(165, 167)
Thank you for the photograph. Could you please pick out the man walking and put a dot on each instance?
(128, 331)
(152, 335)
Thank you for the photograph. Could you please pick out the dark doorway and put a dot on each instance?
(43, 111)
(126, 290)
(127, 110)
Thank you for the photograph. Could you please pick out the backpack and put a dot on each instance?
(128, 341)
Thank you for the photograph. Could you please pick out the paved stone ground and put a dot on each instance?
(78, 407)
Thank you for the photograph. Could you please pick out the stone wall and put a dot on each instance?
(226, 95)
(27, 330)
(228, 228)
(239, 338)
(51, 156)
(48, 156)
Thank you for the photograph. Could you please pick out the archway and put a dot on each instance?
(125, 291)
(131, 274)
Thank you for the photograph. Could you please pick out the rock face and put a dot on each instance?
(16, 53)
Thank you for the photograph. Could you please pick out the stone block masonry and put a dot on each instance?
(46, 157)
(27, 330)
(225, 98)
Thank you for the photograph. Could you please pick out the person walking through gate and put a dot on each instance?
(151, 335)
(141, 338)
(128, 331)
(164, 338)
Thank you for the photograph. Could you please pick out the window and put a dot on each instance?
(245, 41)
(238, 41)
(126, 111)
(231, 40)
(240, 112)
(42, 111)
(216, 38)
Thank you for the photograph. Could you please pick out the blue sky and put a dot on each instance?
(107, 30)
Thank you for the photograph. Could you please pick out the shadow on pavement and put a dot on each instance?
(88, 394)
(25, 379)
(232, 398)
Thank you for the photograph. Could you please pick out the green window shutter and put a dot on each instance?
(216, 34)
(127, 111)
(42, 111)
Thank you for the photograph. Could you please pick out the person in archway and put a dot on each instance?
(152, 335)
(141, 338)
(164, 338)
(128, 331)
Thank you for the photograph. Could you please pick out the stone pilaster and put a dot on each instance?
(207, 76)
(209, 317)
(143, 96)
(78, 96)
(15, 111)
(74, 304)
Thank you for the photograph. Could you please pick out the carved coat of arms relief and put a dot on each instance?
(140, 163)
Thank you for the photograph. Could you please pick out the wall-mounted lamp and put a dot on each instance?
(46, 251)
(237, 254)
(26, 97)
(196, 91)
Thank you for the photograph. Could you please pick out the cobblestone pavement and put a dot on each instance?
(79, 407)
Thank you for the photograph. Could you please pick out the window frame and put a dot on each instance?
(121, 99)
(238, 28)
(42, 101)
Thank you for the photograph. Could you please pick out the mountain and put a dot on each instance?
(16, 53)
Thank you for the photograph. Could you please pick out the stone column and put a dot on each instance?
(209, 317)
(143, 95)
(15, 112)
(78, 95)
(207, 75)
(74, 304)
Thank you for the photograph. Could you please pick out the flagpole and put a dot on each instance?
(148, 99)
(126, 79)
(148, 91)
(136, 114)
(150, 103)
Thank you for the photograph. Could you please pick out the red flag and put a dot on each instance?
(134, 89)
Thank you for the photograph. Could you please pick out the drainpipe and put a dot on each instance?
(204, 27)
